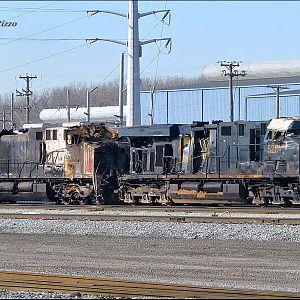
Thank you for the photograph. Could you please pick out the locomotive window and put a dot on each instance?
(152, 157)
(133, 160)
(48, 135)
(263, 128)
(241, 129)
(39, 135)
(54, 137)
(269, 135)
(226, 130)
(145, 156)
(168, 150)
(294, 128)
(159, 156)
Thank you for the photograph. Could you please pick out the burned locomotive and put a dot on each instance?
(224, 162)
(238, 162)
(72, 163)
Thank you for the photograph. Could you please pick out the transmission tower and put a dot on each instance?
(26, 92)
(231, 73)
(134, 46)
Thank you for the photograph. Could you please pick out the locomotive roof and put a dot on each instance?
(154, 130)
(37, 125)
(282, 124)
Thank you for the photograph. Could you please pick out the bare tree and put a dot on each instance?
(105, 95)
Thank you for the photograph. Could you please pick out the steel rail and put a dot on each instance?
(186, 208)
(182, 219)
(25, 281)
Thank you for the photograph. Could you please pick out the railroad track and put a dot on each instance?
(185, 208)
(24, 281)
(213, 219)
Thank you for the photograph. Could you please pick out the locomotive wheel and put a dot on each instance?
(82, 201)
(288, 202)
(76, 197)
(108, 196)
(67, 201)
(265, 201)
(99, 201)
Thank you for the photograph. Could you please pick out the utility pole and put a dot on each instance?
(68, 106)
(26, 92)
(121, 90)
(277, 89)
(133, 116)
(133, 72)
(88, 104)
(12, 122)
(231, 73)
(152, 90)
(3, 119)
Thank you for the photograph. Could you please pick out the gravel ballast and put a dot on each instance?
(255, 232)
(40, 295)
(98, 212)
(248, 256)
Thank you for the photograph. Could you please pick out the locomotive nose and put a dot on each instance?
(282, 152)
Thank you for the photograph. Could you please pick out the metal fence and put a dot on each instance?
(207, 104)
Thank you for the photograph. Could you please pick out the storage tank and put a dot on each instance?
(255, 70)
(105, 114)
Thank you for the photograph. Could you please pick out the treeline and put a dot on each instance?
(106, 94)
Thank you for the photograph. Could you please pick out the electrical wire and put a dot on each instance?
(43, 58)
(45, 39)
(46, 30)
(158, 57)
(54, 10)
(33, 10)
(40, 9)
(149, 63)
(110, 73)
(150, 31)
(159, 50)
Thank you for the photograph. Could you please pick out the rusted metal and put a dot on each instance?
(185, 219)
(25, 281)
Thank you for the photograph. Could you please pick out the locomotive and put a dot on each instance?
(241, 162)
(70, 164)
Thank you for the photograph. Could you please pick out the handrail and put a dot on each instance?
(9, 163)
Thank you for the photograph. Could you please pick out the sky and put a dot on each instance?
(202, 32)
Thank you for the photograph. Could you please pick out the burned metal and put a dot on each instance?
(242, 162)
(69, 164)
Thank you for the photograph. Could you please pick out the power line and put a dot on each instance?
(63, 10)
(43, 58)
(41, 9)
(110, 73)
(150, 63)
(158, 57)
(58, 26)
(45, 39)
(33, 10)
(151, 30)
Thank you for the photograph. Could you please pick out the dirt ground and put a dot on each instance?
(243, 264)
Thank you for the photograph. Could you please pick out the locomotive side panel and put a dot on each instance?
(21, 156)
(201, 163)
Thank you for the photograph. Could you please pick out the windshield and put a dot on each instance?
(294, 128)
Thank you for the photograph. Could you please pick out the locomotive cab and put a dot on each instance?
(282, 147)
